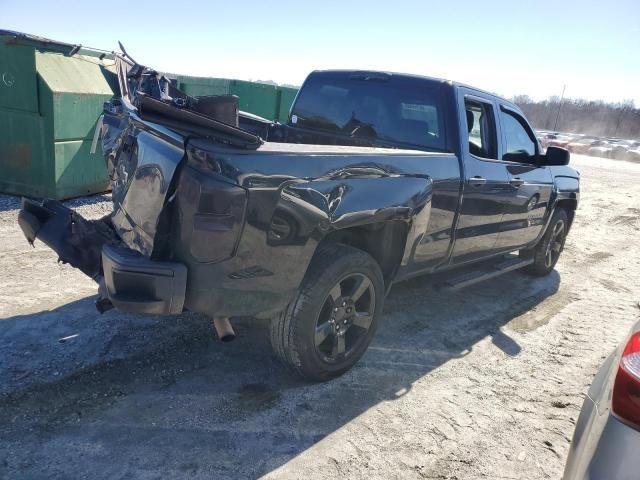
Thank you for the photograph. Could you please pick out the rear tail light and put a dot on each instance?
(211, 212)
(626, 390)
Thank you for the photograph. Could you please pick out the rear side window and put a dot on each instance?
(387, 108)
(481, 129)
(520, 146)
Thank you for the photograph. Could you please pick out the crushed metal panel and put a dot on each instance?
(141, 186)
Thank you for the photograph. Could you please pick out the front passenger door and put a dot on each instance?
(531, 184)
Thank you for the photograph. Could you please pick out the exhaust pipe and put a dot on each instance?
(224, 329)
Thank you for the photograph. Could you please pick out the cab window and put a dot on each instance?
(481, 129)
(375, 107)
(520, 146)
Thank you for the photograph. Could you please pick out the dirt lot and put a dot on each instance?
(485, 383)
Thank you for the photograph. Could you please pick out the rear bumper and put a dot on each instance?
(136, 284)
(76, 240)
(132, 282)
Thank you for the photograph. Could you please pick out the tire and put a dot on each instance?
(547, 251)
(339, 305)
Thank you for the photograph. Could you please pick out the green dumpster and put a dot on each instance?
(51, 95)
(50, 99)
(267, 100)
(257, 98)
(198, 86)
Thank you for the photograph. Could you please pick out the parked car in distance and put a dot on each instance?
(633, 155)
(621, 147)
(600, 148)
(560, 141)
(311, 223)
(606, 441)
(618, 148)
(581, 145)
(546, 137)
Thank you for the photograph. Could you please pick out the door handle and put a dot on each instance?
(516, 181)
(477, 181)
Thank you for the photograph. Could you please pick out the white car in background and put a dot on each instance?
(633, 154)
(600, 148)
(621, 148)
(581, 145)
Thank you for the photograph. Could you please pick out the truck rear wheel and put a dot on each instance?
(330, 323)
(546, 253)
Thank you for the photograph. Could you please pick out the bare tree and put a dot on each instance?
(591, 117)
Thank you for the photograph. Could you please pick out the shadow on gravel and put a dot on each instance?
(164, 399)
(9, 202)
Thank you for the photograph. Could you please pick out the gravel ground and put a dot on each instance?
(484, 383)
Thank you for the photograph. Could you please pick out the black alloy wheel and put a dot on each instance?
(331, 321)
(556, 242)
(547, 251)
(345, 317)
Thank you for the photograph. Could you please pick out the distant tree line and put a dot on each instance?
(583, 116)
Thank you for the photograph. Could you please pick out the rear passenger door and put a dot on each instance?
(530, 184)
(486, 186)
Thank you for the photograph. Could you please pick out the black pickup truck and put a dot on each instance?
(376, 177)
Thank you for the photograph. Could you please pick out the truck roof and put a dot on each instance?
(452, 83)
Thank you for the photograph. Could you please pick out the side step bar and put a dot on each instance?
(508, 264)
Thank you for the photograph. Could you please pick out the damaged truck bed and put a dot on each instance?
(375, 178)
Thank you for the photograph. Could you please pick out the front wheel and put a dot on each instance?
(547, 252)
(331, 322)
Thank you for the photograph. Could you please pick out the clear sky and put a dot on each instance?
(508, 46)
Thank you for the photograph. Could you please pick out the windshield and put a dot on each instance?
(383, 107)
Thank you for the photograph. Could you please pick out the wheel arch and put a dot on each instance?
(569, 205)
(384, 241)
(379, 215)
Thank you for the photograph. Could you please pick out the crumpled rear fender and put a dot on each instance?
(318, 207)
(141, 161)
(352, 202)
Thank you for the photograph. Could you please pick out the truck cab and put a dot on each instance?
(506, 183)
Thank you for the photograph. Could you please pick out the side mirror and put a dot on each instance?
(556, 156)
